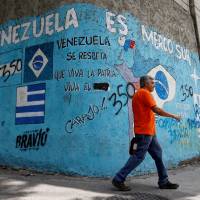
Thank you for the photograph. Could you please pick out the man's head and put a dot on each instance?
(147, 82)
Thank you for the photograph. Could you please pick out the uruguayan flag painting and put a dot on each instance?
(30, 106)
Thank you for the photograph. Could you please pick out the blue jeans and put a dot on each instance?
(144, 143)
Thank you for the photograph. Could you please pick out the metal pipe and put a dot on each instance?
(194, 19)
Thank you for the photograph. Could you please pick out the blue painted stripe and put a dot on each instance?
(29, 120)
(36, 97)
(34, 108)
(36, 87)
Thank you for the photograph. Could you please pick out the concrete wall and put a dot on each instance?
(69, 69)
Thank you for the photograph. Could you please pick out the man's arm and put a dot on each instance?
(163, 113)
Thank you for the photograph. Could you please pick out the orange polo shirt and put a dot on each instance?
(144, 117)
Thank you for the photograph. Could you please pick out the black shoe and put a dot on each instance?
(120, 186)
(169, 185)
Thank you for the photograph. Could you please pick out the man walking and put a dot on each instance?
(144, 109)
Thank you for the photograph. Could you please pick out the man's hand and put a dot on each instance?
(177, 117)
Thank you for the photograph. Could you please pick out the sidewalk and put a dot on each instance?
(22, 185)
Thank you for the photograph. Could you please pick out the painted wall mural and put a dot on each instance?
(66, 83)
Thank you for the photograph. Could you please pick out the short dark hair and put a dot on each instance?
(144, 80)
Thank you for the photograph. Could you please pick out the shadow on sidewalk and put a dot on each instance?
(14, 185)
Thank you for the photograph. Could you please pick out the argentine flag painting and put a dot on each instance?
(30, 105)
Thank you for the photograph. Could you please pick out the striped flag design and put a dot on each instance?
(30, 106)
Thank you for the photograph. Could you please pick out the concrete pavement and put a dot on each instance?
(26, 185)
